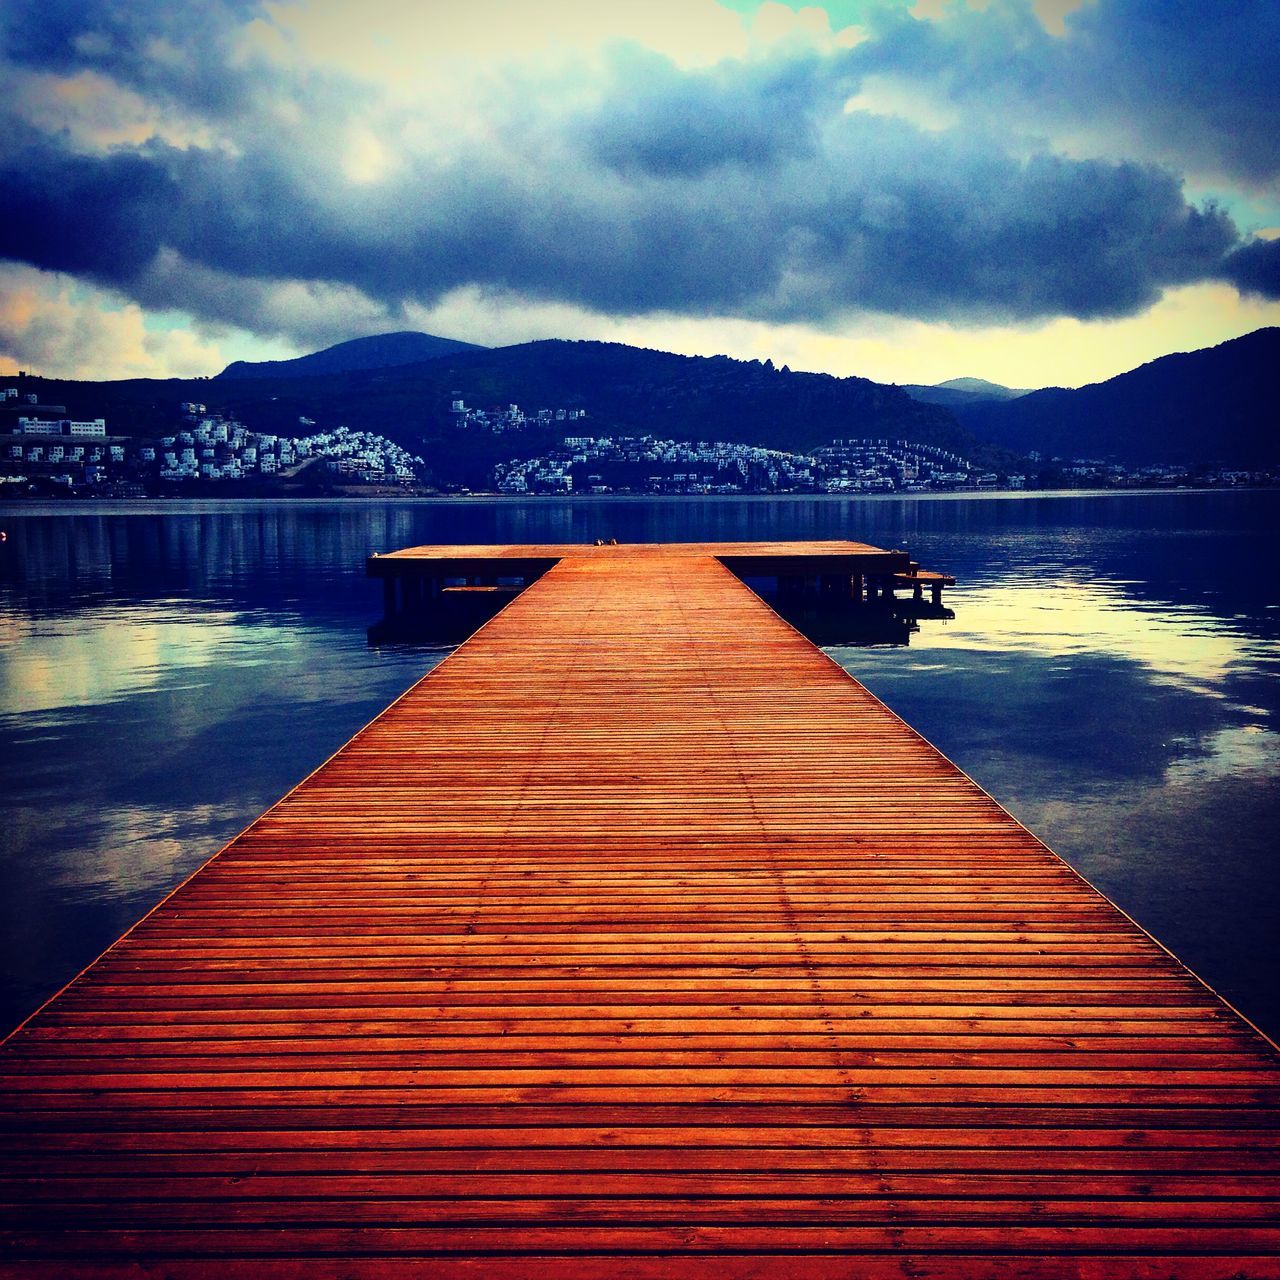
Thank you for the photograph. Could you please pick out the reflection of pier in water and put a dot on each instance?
(833, 592)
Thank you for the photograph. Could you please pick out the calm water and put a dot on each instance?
(1110, 676)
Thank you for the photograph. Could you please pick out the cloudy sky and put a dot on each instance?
(1033, 191)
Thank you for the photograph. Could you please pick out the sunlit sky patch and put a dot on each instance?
(1032, 191)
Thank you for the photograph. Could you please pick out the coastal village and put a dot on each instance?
(43, 447)
(645, 464)
(43, 451)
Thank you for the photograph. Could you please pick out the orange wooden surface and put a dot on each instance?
(623, 946)
(645, 550)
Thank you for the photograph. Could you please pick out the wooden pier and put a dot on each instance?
(638, 940)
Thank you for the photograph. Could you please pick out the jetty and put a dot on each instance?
(638, 940)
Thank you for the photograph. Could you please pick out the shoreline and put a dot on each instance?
(161, 505)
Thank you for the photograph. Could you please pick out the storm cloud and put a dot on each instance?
(748, 188)
(175, 54)
(1255, 268)
(1190, 84)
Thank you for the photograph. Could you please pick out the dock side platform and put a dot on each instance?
(622, 946)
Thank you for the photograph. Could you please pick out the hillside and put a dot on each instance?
(623, 389)
(1212, 405)
(381, 351)
(698, 397)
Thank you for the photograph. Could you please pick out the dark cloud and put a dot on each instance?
(872, 215)
(1181, 81)
(1196, 81)
(666, 122)
(169, 52)
(1255, 268)
(745, 189)
(85, 215)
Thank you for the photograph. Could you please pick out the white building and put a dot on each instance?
(97, 428)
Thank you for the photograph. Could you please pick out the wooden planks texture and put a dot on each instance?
(836, 547)
(624, 946)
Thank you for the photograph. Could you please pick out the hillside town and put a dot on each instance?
(48, 450)
(511, 417)
(647, 464)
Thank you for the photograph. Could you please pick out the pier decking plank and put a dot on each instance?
(638, 940)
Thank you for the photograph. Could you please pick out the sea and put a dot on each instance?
(1109, 674)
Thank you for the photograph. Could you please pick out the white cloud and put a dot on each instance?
(51, 324)
(415, 45)
(96, 113)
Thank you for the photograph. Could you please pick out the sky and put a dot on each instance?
(1038, 192)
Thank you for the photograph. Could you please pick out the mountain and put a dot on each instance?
(634, 389)
(981, 387)
(1213, 405)
(623, 389)
(960, 392)
(381, 351)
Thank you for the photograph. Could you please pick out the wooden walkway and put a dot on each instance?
(623, 947)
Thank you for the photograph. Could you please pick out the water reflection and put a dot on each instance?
(105, 655)
(138, 739)
(880, 623)
(1135, 732)
(1060, 616)
(1110, 674)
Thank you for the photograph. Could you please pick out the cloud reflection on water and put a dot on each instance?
(1057, 617)
(143, 737)
(107, 654)
(1135, 735)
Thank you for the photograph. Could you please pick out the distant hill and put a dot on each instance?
(1213, 405)
(962, 392)
(981, 387)
(623, 389)
(697, 397)
(381, 351)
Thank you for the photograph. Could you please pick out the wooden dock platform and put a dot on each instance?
(621, 947)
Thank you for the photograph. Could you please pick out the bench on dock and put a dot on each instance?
(919, 579)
